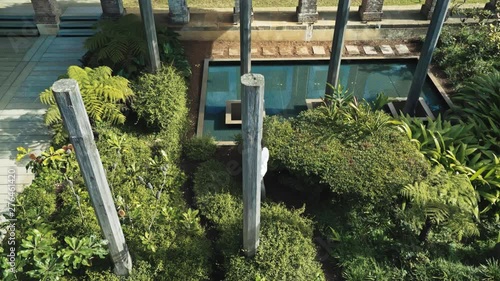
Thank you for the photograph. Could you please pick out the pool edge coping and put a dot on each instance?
(206, 62)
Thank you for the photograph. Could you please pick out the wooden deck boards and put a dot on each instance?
(27, 67)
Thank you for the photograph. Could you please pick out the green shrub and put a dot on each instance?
(211, 177)
(347, 157)
(286, 250)
(200, 148)
(161, 98)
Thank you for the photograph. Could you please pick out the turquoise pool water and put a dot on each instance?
(289, 84)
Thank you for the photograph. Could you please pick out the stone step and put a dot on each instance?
(88, 24)
(17, 24)
(76, 32)
(10, 17)
(80, 17)
(9, 32)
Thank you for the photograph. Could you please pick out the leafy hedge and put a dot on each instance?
(323, 149)
(286, 250)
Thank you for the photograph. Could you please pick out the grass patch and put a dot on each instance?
(274, 3)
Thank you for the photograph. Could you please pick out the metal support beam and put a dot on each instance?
(433, 32)
(252, 113)
(148, 20)
(337, 44)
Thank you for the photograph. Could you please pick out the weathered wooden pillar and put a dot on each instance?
(47, 16)
(245, 37)
(112, 8)
(425, 58)
(75, 119)
(307, 11)
(178, 11)
(252, 114)
(148, 19)
(337, 45)
(371, 10)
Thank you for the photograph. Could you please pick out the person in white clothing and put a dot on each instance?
(263, 169)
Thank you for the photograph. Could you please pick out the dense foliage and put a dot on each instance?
(286, 250)
(470, 49)
(389, 213)
(347, 149)
(103, 94)
(200, 148)
(56, 225)
(157, 94)
(121, 44)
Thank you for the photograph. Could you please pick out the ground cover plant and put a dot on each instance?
(470, 49)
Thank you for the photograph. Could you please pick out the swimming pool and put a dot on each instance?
(289, 83)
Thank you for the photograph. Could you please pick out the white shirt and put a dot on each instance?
(263, 161)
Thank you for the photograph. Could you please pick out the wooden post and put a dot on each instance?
(433, 32)
(252, 102)
(75, 119)
(148, 19)
(245, 36)
(337, 44)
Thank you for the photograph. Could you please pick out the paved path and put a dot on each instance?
(28, 65)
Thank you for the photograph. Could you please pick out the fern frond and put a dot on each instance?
(47, 97)
(52, 115)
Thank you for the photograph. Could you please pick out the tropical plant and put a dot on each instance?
(57, 159)
(490, 270)
(477, 102)
(45, 259)
(458, 149)
(103, 94)
(346, 154)
(444, 198)
(121, 44)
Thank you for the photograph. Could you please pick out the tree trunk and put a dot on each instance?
(425, 231)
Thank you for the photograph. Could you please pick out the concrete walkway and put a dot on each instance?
(28, 65)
